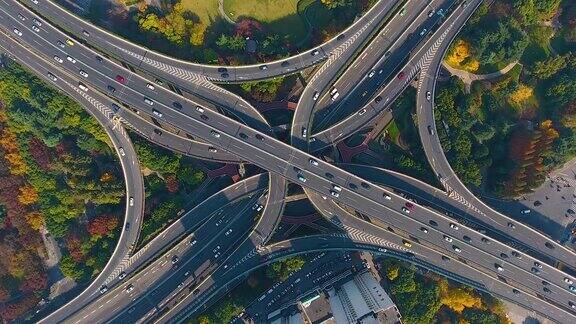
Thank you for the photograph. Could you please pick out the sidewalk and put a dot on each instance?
(468, 77)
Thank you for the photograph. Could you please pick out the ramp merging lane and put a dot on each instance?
(162, 64)
(289, 163)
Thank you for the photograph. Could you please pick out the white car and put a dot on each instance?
(313, 162)
(121, 150)
(82, 87)
(129, 288)
(387, 197)
(456, 249)
(428, 95)
(257, 207)
(334, 193)
(215, 133)
(35, 28)
(362, 112)
(316, 95)
(71, 59)
(36, 22)
(150, 86)
(406, 210)
(498, 267)
(228, 232)
(447, 238)
(58, 59)
(52, 77)
(371, 74)
(525, 211)
(83, 73)
(200, 109)
(35, 1)
(131, 201)
(148, 101)
(212, 149)
(157, 113)
(301, 178)
(568, 280)
(453, 226)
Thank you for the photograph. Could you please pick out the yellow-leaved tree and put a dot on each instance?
(28, 195)
(521, 94)
(458, 299)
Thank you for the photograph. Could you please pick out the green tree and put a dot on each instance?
(547, 68)
(71, 269)
(284, 268)
(483, 132)
(190, 177)
(527, 11)
(157, 159)
(333, 4)
(478, 316)
(562, 90)
(405, 282)
(227, 312)
(505, 43)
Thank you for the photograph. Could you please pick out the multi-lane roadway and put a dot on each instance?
(490, 259)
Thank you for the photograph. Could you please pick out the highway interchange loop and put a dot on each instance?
(213, 124)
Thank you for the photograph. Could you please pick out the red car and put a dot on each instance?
(409, 205)
(401, 75)
(120, 79)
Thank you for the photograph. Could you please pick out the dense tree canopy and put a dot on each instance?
(57, 166)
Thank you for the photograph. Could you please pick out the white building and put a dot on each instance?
(362, 300)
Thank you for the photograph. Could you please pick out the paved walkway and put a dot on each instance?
(468, 77)
(223, 13)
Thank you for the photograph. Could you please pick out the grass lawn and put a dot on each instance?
(393, 132)
(207, 10)
(280, 16)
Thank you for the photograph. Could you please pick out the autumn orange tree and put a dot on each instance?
(28, 195)
(527, 149)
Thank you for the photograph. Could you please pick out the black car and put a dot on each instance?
(378, 99)
(285, 64)
(177, 105)
(115, 108)
(340, 37)
(157, 131)
(111, 89)
(127, 227)
(225, 75)
(222, 69)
